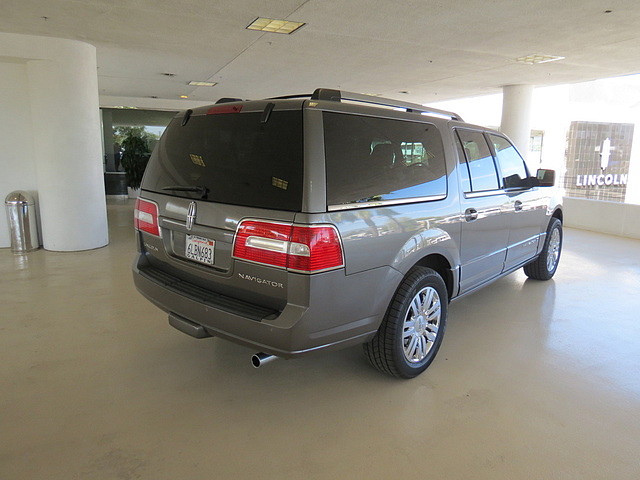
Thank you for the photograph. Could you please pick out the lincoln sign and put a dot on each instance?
(608, 179)
(597, 160)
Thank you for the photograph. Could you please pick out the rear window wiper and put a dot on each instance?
(202, 190)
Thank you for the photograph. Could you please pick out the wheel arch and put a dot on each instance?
(557, 213)
(441, 265)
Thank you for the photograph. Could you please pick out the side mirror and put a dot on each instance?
(546, 178)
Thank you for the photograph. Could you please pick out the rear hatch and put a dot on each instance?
(212, 168)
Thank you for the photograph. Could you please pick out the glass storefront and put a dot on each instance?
(122, 126)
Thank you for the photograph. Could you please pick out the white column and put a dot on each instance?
(516, 115)
(63, 102)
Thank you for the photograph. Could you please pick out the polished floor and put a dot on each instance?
(534, 380)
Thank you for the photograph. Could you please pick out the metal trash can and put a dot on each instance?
(21, 214)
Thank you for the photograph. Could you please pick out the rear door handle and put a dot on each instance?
(517, 205)
(470, 214)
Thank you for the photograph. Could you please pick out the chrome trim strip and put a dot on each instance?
(486, 193)
(351, 206)
(535, 237)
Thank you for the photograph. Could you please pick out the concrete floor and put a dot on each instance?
(534, 380)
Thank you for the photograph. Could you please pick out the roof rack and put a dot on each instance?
(338, 96)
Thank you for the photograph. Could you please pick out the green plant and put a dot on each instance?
(134, 158)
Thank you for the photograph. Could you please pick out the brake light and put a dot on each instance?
(145, 217)
(221, 109)
(298, 248)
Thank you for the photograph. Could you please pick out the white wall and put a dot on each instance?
(607, 217)
(17, 164)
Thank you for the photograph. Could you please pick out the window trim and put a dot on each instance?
(379, 203)
(493, 157)
(497, 162)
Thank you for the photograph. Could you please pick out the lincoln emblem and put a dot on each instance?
(191, 215)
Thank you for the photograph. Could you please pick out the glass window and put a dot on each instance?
(373, 159)
(239, 160)
(482, 170)
(511, 163)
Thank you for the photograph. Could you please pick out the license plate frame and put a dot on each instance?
(200, 249)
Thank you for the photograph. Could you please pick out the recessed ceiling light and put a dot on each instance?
(538, 58)
(184, 96)
(274, 26)
(193, 83)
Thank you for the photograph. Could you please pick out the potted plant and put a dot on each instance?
(135, 156)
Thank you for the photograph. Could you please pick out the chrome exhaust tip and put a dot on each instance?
(259, 359)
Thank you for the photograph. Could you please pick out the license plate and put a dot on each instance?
(199, 249)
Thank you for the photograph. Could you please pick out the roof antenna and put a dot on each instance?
(187, 116)
(266, 113)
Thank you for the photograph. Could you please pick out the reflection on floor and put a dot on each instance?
(534, 380)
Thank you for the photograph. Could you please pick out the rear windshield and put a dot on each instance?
(237, 159)
(375, 159)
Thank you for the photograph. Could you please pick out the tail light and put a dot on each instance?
(298, 248)
(145, 217)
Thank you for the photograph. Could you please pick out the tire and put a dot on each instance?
(546, 264)
(406, 343)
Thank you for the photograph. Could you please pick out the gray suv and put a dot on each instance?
(316, 222)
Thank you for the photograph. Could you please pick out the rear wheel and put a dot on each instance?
(545, 266)
(412, 330)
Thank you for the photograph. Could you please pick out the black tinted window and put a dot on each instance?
(372, 159)
(481, 167)
(511, 163)
(238, 159)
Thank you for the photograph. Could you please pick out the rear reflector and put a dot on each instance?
(298, 248)
(145, 217)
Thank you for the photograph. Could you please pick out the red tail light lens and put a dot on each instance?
(262, 242)
(299, 248)
(145, 217)
(323, 249)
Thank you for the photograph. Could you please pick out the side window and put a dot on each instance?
(463, 167)
(511, 163)
(482, 170)
(375, 159)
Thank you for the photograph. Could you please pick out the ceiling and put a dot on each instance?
(414, 50)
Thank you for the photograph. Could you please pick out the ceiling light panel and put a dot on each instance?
(538, 58)
(194, 83)
(274, 26)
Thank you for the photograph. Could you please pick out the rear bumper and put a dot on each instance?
(339, 311)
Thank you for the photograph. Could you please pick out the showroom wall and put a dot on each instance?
(16, 146)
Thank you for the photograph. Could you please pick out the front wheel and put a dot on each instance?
(545, 266)
(412, 329)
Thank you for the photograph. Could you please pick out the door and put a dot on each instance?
(526, 207)
(485, 228)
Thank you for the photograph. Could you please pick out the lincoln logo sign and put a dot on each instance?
(602, 179)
